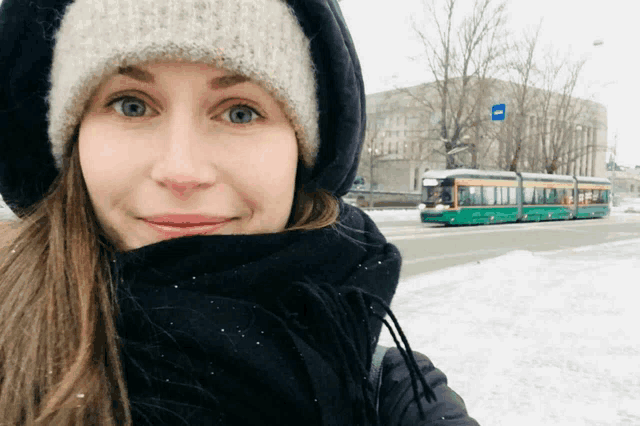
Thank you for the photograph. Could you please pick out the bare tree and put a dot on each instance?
(522, 70)
(422, 138)
(539, 134)
(460, 58)
(558, 110)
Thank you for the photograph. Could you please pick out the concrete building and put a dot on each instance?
(403, 135)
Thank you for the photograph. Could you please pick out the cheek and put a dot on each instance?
(103, 167)
(269, 178)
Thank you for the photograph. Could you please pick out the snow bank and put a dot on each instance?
(549, 338)
(627, 205)
(394, 215)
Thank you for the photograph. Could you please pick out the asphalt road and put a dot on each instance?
(429, 247)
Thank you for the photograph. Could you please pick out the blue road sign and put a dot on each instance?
(498, 112)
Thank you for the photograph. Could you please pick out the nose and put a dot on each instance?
(183, 166)
(183, 188)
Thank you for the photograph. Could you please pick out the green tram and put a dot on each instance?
(465, 197)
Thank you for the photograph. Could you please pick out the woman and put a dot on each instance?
(182, 254)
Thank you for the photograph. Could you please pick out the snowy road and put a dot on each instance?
(427, 248)
(534, 338)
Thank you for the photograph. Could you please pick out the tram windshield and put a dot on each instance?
(434, 192)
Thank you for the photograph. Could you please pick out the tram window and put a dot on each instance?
(605, 195)
(512, 196)
(464, 198)
(447, 195)
(489, 195)
(539, 196)
(563, 196)
(596, 196)
(588, 197)
(551, 195)
(570, 191)
(433, 195)
(475, 195)
(528, 196)
(580, 196)
(503, 193)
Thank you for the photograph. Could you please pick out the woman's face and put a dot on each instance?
(177, 149)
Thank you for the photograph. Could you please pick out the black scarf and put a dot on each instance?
(255, 329)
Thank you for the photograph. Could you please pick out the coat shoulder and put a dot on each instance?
(397, 405)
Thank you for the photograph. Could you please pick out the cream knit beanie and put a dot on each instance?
(260, 39)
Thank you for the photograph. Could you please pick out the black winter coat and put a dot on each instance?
(396, 405)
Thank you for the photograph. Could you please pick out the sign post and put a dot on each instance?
(498, 112)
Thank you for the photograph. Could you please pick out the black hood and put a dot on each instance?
(27, 30)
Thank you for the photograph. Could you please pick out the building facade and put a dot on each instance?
(404, 137)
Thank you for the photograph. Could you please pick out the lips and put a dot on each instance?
(172, 226)
(186, 220)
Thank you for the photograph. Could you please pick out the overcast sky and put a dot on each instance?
(384, 40)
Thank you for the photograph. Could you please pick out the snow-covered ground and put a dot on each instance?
(531, 339)
(5, 211)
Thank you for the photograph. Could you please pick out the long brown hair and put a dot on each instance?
(59, 354)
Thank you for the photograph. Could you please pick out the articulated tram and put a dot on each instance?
(464, 197)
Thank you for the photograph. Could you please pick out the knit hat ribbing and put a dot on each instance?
(260, 39)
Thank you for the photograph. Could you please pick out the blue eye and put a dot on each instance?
(130, 106)
(240, 114)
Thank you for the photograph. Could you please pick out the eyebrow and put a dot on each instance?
(222, 82)
(137, 74)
